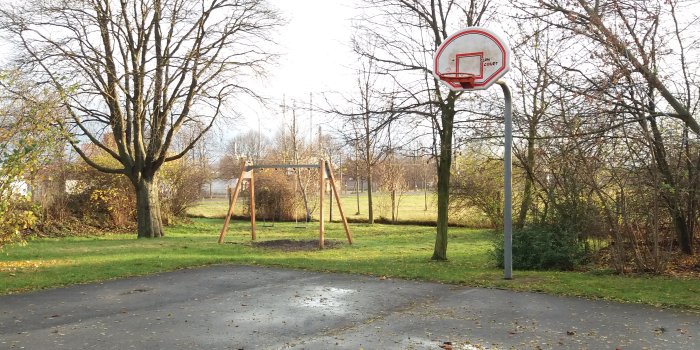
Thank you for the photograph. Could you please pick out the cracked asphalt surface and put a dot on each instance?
(241, 307)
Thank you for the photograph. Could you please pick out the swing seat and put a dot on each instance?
(304, 224)
(270, 223)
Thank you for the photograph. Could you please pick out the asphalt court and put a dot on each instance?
(242, 307)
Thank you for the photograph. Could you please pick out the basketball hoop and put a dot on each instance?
(473, 58)
(466, 80)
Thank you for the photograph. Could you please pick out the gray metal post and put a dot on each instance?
(507, 185)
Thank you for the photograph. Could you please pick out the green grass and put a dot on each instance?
(380, 250)
(412, 209)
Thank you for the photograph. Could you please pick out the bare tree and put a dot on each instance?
(393, 181)
(252, 145)
(640, 60)
(401, 36)
(367, 125)
(534, 62)
(297, 145)
(625, 31)
(141, 71)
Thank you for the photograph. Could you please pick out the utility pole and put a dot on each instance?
(285, 153)
(296, 161)
(311, 121)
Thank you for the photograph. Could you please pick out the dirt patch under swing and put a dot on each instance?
(289, 245)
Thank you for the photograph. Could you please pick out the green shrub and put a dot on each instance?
(477, 187)
(100, 200)
(180, 187)
(544, 247)
(17, 216)
(276, 197)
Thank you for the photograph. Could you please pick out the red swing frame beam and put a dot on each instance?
(325, 172)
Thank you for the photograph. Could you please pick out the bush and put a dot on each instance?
(28, 140)
(80, 193)
(544, 247)
(180, 184)
(477, 185)
(100, 200)
(17, 217)
(276, 197)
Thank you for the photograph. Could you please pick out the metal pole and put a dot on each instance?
(322, 185)
(507, 185)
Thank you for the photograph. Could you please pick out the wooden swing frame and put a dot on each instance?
(325, 170)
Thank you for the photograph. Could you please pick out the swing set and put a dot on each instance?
(325, 170)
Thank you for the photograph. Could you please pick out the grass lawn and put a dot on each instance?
(380, 250)
(412, 208)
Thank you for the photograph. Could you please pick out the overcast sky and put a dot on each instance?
(315, 45)
(316, 57)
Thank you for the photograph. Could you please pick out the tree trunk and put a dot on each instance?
(525, 204)
(393, 206)
(425, 194)
(443, 201)
(370, 210)
(304, 197)
(150, 224)
(685, 237)
(529, 171)
(443, 182)
(330, 204)
(357, 191)
(670, 194)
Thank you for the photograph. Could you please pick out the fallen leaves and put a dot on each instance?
(26, 265)
(446, 345)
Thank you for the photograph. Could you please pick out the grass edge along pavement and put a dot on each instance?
(386, 251)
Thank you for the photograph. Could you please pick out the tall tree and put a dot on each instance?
(640, 59)
(367, 125)
(141, 70)
(296, 148)
(252, 145)
(534, 60)
(401, 36)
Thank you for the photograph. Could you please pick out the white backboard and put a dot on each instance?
(476, 52)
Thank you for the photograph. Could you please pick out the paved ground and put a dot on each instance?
(234, 307)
